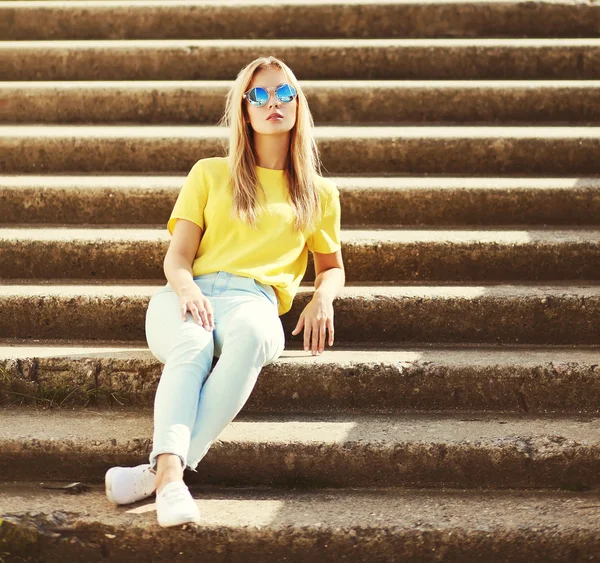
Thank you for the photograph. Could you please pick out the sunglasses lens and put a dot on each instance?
(286, 92)
(258, 96)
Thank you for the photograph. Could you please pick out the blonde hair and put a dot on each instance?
(302, 164)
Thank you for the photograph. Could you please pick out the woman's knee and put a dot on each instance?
(159, 319)
(264, 337)
(166, 330)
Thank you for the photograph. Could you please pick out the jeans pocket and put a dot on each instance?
(205, 286)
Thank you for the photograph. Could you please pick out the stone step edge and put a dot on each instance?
(406, 254)
(135, 149)
(450, 290)
(485, 312)
(325, 525)
(439, 202)
(69, 86)
(102, 132)
(481, 102)
(456, 451)
(368, 380)
(349, 19)
(26, 233)
(340, 86)
(353, 43)
(174, 182)
(221, 59)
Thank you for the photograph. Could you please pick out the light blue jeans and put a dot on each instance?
(191, 409)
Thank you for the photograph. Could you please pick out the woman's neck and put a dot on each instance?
(272, 150)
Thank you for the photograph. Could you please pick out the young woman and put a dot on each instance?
(241, 230)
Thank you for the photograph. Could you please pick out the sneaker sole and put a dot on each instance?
(195, 519)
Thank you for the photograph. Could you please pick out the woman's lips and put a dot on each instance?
(274, 116)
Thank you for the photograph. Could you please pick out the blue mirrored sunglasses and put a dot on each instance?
(260, 96)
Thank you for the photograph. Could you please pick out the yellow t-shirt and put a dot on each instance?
(274, 253)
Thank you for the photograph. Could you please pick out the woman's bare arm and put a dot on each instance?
(178, 261)
(330, 275)
(177, 266)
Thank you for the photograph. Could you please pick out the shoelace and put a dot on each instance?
(177, 494)
(139, 482)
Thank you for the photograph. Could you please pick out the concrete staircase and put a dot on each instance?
(456, 419)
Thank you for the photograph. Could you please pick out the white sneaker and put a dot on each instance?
(175, 505)
(125, 485)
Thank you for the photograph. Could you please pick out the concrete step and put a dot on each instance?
(148, 200)
(296, 19)
(366, 380)
(369, 255)
(484, 313)
(272, 526)
(417, 450)
(311, 59)
(356, 102)
(470, 151)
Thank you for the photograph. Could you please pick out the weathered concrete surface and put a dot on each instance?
(324, 19)
(501, 314)
(344, 150)
(460, 255)
(382, 201)
(370, 526)
(533, 380)
(369, 255)
(311, 59)
(331, 102)
(471, 201)
(460, 451)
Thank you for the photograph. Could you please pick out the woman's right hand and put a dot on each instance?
(199, 306)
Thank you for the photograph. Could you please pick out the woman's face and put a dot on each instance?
(270, 78)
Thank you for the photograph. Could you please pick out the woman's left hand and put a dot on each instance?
(316, 319)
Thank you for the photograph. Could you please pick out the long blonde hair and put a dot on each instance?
(302, 164)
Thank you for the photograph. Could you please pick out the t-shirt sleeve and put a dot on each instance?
(326, 238)
(191, 200)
